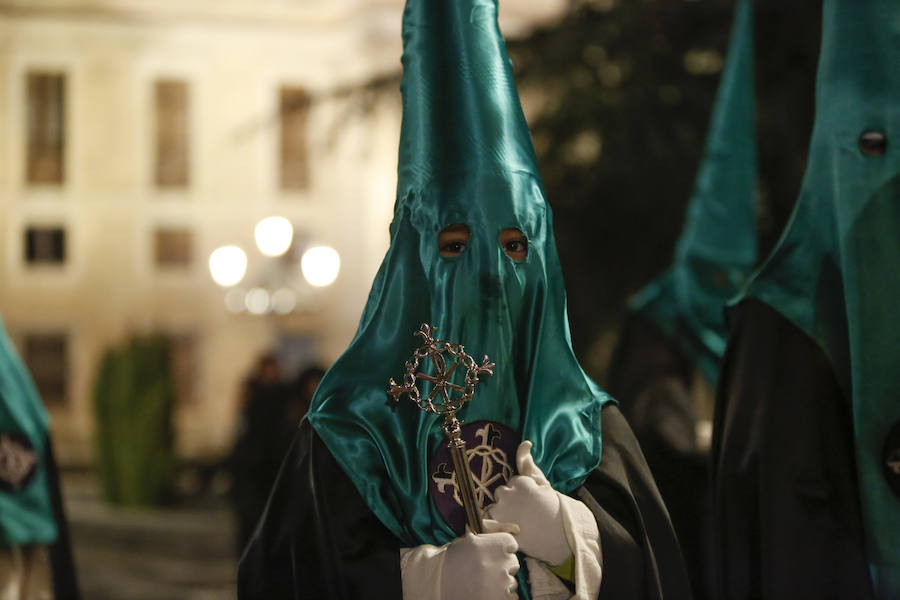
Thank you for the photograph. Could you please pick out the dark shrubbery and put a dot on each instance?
(134, 397)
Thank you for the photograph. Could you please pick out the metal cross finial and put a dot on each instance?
(445, 399)
(440, 400)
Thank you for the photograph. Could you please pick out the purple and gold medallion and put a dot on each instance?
(491, 454)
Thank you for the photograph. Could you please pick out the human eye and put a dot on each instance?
(453, 239)
(452, 248)
(514, 243)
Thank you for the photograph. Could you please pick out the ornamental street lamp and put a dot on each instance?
(278, 289)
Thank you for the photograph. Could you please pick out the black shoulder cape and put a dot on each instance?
(318, 538)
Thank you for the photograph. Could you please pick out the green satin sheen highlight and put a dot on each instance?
(717, 248)
(836, 270)
(26, 515)
(465, 157)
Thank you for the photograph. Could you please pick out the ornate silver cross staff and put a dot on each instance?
(442, 401)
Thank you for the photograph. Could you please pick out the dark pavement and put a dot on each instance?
(179, 553)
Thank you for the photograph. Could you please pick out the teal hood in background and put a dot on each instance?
(26, 514)
(465, 157)
(835, 272)
(717, 248)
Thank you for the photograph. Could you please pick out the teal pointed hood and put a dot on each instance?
(461, 111)
(465, 157)
(835, 272)
(26, 515)
(717, 248)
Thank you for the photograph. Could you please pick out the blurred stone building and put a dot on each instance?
(137, 136)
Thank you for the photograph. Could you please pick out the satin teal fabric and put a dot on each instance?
(26, 515)
(835, 273)
(465, 157)
(717, 248)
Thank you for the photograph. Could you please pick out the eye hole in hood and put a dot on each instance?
(453, 239)
(514, 243)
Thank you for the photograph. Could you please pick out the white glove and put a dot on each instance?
(553, 528)
(529, 501)
(471, 567)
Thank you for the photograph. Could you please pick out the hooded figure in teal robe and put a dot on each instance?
(673, 340)
(26, 514)
(465, 158)
(816, 434)
(466, 163)
(31, 516)
(717, 247)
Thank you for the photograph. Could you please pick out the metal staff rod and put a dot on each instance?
(446, 399)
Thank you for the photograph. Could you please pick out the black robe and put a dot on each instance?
(318, 538)
(65, 581)
(787, 514)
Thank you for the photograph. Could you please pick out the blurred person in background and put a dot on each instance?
(35, 555)
(806, 438)
(303, 389)
(675, 336)
(365, 506)
(259, 447)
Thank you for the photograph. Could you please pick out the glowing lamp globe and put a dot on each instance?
(273, 235)
(227, 265)
(320, 265)
(258, 301)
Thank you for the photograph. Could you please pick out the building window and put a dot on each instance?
(184, 366)
(172, 247)
(47, 358)
(294, 111)
(172, 141)
(45, 245)
(46, 128)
